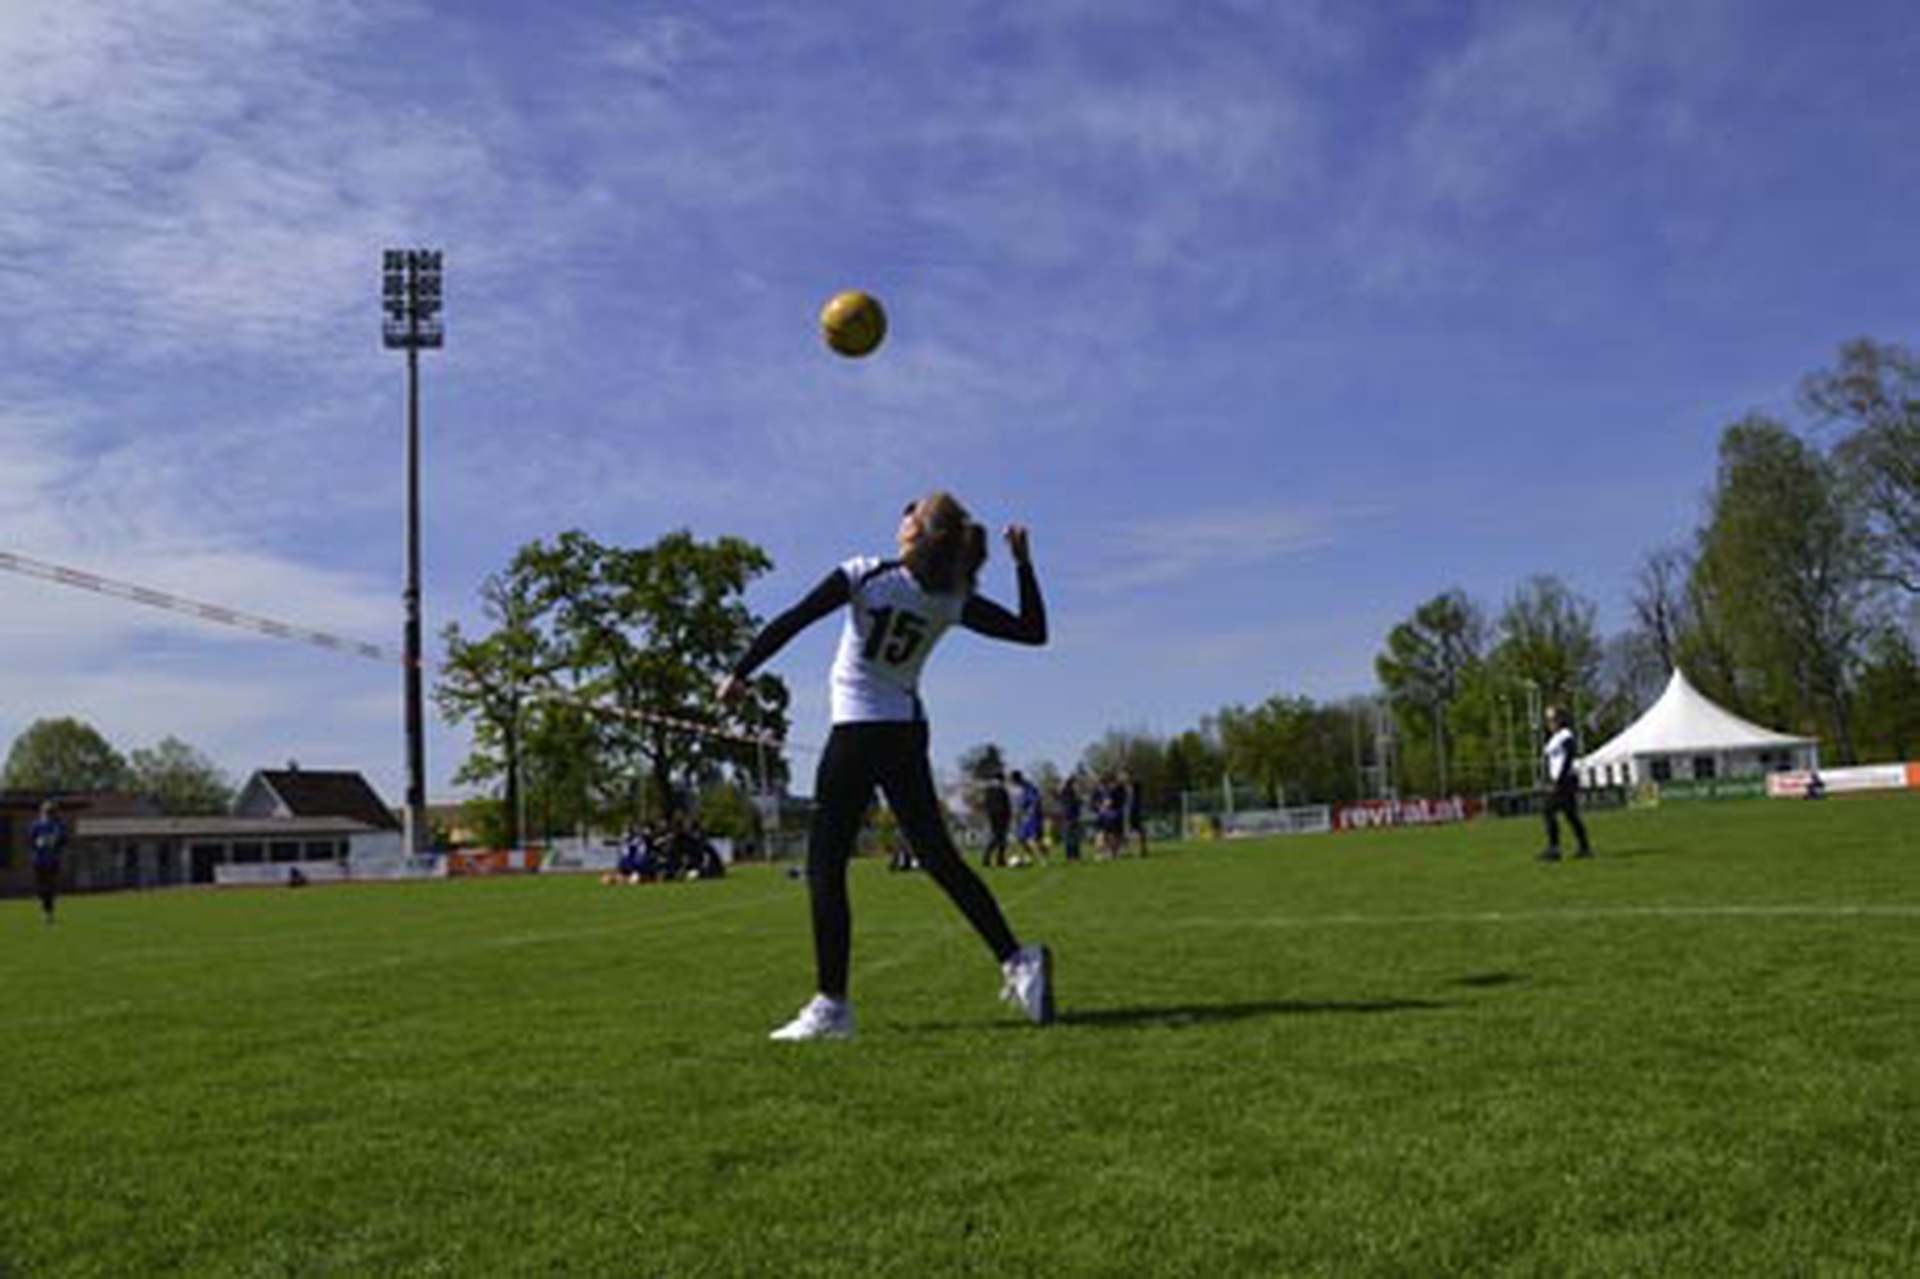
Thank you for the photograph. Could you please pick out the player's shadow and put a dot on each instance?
(1483, 981)
(1244, 1010)
(1627, 853)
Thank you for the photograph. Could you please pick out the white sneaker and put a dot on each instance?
(822, 1018)
(1029, 983)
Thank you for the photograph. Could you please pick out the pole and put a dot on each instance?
(520, 774)
(1506, 736)
(416, 720)
(1359, 777)
(1533, 729)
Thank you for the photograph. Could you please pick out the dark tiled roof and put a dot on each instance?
(97, 803)
(213, 827)
(310, 793)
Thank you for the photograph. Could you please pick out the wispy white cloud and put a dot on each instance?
(1211, 546)
(1502, 122)
(191, 179)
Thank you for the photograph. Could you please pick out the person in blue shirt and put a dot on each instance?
(1031, 831)
(48, 837)
(628, 867)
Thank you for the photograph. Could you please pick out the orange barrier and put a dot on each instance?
(494, 861)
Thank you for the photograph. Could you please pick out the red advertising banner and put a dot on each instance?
(1369, 814)
(494, 861)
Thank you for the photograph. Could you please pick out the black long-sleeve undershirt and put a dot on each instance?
(984, 617)
(833, 591)
(978, 614)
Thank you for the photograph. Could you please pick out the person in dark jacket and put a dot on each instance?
(999, 806)
(48, 838)
(1563, 783)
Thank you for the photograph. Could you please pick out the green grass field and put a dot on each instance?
(1396, 1053)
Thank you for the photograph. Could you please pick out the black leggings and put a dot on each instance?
(1565, 799)
(893, 757)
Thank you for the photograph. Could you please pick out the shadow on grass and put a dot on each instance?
(1630, 852)
(1206, 1014)
(1176, 1015)
(1482, 981)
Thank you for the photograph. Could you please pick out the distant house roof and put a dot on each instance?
(213, 827)
(307, 792)
(97, 803)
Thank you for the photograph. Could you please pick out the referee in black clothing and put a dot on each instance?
(999, 816)
(1563, 794)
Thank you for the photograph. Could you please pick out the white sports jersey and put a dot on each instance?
(892, 625)
(1559, 753)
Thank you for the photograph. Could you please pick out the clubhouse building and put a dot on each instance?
(315, 820)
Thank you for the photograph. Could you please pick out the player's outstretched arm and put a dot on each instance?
(987, 618)
(832, 592)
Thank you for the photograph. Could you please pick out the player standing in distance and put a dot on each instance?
(48, 836)
(999, 817)
(897, 610)
(1070, 817)
(1564, 783)
(1030, 830)
(1133, 808)
(1109, 816)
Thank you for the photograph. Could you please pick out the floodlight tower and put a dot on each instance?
(411, 296)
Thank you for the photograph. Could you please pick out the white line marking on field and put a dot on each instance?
(1568, 914)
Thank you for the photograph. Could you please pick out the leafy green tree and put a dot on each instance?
(1144, 755)
(491, 821)
(1338, 729)
(181, 779)
(493, 682)
(1706, 646)
(1548, 638)
(1887, 695)
(1046, 775)
(978, 765)
(1788, 570)
(64, 754)
(561, 769)
(645, 634)
(1191, 764)
(1271, 746)
(1203, 759)
(981, 762)
(1482, 732)
(726, 811)
(1874, 393)
(1428, 660)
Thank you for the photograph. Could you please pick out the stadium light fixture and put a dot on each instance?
(411, 299)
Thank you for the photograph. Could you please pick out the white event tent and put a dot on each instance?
(1683, 736)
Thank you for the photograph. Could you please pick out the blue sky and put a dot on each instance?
(1271, 319)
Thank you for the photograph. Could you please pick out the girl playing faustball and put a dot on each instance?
(897, 610)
